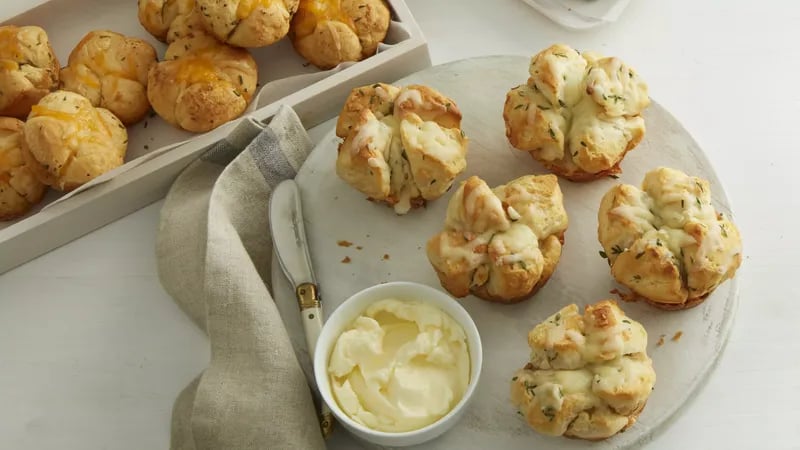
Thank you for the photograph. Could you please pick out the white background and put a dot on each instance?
(93, 352)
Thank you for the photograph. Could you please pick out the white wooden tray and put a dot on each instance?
(334, 212)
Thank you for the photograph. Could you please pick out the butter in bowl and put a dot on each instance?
(398, 363)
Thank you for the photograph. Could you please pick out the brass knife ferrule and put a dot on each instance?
(307, 296)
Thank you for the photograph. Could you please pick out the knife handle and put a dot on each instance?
(311, 315)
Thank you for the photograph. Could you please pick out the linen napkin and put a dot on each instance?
(214, 252)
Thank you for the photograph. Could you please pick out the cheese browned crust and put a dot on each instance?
(29, 69)
(111, 71)
(402, 146)
(202, 83)
(578, 114)
(665, 241)
(19, 187)
(247, 23)
(330, 32)
(589, 375)
(168, 20)
(500, 244)
(70, 142)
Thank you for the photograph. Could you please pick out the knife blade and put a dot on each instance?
(291, 247)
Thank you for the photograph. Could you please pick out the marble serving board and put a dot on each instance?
(387, 247)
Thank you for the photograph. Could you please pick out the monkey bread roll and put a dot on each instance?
(19, 187)
(500, 244)
(247, 23)
(202, 83)
(29, 69)
(330, 32)
(402, 146)
(168, 20)
(665, 241)
(589, 376)
(70, 142)
(578, 114)
(111, 71)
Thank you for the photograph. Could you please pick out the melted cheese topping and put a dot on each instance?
(246, 7)
(312, 12)
(432, 139)
(11, 51)
(412, 95)
(197, 67)
(82, 125)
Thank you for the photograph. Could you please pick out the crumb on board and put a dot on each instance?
(624, 296)
(346, 260)
(660, 341)
(344, 243)
(677, 336)
(385, 256)
(358, 247)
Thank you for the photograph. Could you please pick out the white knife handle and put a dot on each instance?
(311, 315)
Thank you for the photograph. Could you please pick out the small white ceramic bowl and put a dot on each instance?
(348, 311)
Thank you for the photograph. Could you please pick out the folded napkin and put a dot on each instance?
(214, 252)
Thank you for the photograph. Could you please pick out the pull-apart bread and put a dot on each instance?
(665, 241)
(402, 146)
(330, 32)
(578, 114)
(500, 244)
(247, 23)
(19, 187)
(589, 376)
(29, 69)
(111, 71)
(168, 20)
(202, 83)
(70, 142)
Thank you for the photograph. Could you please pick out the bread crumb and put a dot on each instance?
(677, 336)
(385, 256)
(344, 243)
(660, 341)
(346, 260)
(358, 247)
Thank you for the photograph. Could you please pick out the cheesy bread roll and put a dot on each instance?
(111, 71)
(500, 244)
(578, 114)
(70, 142)
(665, 241)
(19, 187)
(29, 69)
(589, 375)
(168, 20)
(202, 83)
(330, 32)
(247, 23)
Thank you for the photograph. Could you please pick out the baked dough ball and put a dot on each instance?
(202, 83)
(168, 20)
(330, 32)
(28, 69)
(247, 23)
(401, 146)
(589, 375)
(500, 244)
(665, 241)
(19, 187)
(70, 142)
(111, 71)
(578, 114)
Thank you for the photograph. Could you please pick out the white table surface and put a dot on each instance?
(93, 351)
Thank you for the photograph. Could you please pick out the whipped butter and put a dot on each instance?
(400, 366)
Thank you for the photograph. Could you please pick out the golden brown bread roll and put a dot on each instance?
(589, 376)
(111, 71)
(665, 241)
(19, 187)
(70, 142)
(330, 32)
(28, 69)
(578, 114)
(168, 20)
(500, 244)
(247, 23)
(202, 83)
(402, 147)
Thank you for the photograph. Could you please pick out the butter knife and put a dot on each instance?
(291, 248)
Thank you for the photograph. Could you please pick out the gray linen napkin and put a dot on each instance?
(214, 252)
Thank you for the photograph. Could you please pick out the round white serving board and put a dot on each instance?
(336, 212)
